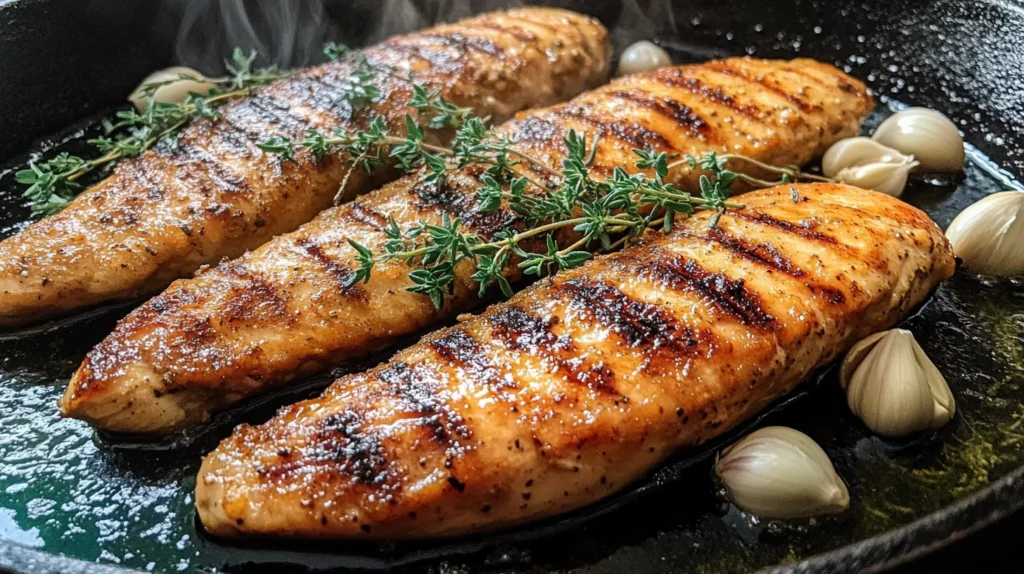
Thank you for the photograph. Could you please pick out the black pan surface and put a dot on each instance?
(65, 492)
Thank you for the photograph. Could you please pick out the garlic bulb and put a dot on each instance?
(989, 235)
(182, 81)
(888, 178)
(852, 152)
(893, 387)
(643, 56)
(779, 472)
(926, 134)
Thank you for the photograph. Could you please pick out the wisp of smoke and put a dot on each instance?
(291, 33)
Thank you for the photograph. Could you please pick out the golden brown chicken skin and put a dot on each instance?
(583, 383)
(216, 194)
(285, 310)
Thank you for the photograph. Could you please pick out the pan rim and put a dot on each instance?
(877, 553)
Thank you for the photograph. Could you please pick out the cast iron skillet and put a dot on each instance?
(60, 62)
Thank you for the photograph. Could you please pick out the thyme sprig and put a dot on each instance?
(573, 215)
(53, 182)
(787, 173)
(570, 213)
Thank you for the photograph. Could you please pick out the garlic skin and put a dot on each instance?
(642, 56)
(989, 235)
(928, 135)
(173, 93)
(779, 472)
(852, 152)
(887, 178)
(893, 386)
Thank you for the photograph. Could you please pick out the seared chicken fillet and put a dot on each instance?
(215, 195)
(285, 310)
(583, 383)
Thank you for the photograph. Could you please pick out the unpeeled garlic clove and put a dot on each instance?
(779, 472)
(180, 82)
(888, 178)
(989, 235)
(928, 135)
(893, 386)
(852, 152)
(643, 56)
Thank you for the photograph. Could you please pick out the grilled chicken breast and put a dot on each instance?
(215, 195)
(582, 383)
(284, 310)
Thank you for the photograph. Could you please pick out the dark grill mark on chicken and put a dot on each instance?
(461, 350)
(367, 215)
(801, 229)
(339, 272)
(727, 296)
(523, 332)
(710, 94)
(630, 133)
(344, 443)
(259, 295)
(416, 389)
(768, 85)
(537, 131)
(639, 324)
(764, 253)
(682, 115)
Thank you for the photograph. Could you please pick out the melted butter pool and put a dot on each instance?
(64, 492)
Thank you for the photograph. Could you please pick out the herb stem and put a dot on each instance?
(579, 243)
(758, 182)
(395, 140)
(537, 163)
(791, 171)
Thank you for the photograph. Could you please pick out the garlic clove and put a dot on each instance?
(181, 81)
(989, 235)
(888, 178)
(855, 356)
(928, 135)
(779, 472)
(642, 56)
(893, 387)
(945, 404)
(852, 152)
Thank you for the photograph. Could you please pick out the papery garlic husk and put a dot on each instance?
(928, 135)
(894, 387)
(186, 81)
(852, 152)
(642, 56)
(779, 472)
(989, 235)
(888, 178)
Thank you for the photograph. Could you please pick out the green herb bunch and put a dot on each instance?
(52, 183)
(569, 211)
(551, 203)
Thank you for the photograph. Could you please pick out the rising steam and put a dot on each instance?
(286, 33)
(291, 33)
